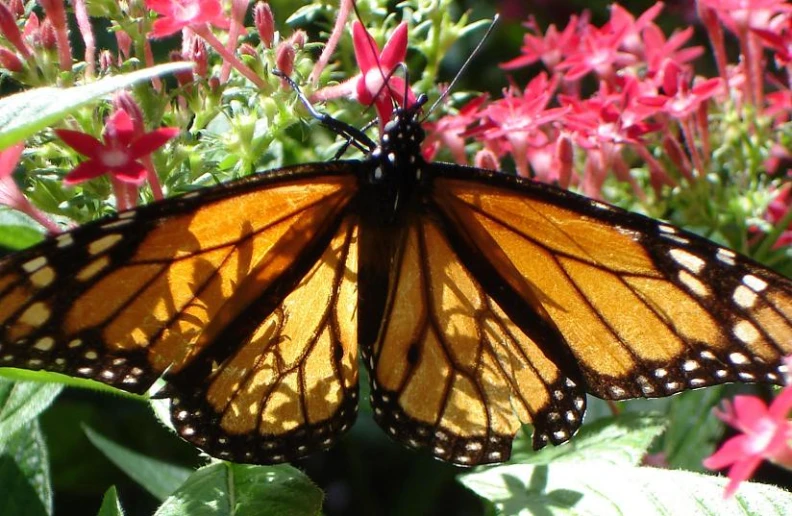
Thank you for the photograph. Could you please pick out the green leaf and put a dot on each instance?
(63, 380)
(229, 489)
(17, 495)
(623, 439)
(28, 450)
(22, 402)
(26, 113)
(111, 505)
(601, 488)
(157, 477)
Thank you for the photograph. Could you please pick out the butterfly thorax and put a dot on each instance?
(397, 165)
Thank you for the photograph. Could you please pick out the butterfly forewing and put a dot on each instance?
(646, 309)
(451, 372)
(165, 287)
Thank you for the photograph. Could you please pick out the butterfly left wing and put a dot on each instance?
(647, 309)
(208, 290)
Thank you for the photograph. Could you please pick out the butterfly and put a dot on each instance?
(477, 300)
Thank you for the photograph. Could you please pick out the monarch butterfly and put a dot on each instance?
(477, 300)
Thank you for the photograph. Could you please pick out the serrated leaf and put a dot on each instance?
(111, 505)
(157, 477)
(26, 113)
(598, 488)
(224, 488)
(28, 450)
(22, 402)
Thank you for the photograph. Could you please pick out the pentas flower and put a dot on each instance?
(512, 123)
(599, 52)
(178, 14)
(548, 48)
(376, 84)
(766, 434)
(119, 155)
(450, 131)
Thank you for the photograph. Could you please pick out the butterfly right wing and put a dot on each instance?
(450, 371)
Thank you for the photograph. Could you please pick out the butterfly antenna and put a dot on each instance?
(356, 137)
(465, 65)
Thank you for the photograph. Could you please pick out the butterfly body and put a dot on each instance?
(478, 302)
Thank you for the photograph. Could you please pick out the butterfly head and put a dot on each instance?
(402, 135)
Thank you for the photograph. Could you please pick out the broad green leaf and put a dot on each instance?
(22, 402)
(601, 488)
(622, 439)
(224, 488)
(28, 450)
(26, 113)
(63, 381)
(157, 477)
(111, 505)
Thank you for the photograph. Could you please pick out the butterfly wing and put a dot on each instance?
(239, 295)
(647, 309)
(450, 371)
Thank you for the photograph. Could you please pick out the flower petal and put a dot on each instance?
(741, 472)
(83, 143)
(152, 141)
(366, 49)
(84, 171)
(781, 405)
(395, 50)
(134, 173)
(9, 158)
(728, 454)
(749, 410)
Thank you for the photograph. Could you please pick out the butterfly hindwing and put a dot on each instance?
(646, 309)
(451, 372)
(289, 387)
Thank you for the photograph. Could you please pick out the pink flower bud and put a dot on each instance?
(284, 58)
(10, 31)
(265, 23)
(124, 101)
(49, 39)
(106, 60)
(246, 49)
(486, 159)
(124, 42)
(298, 39)
(10, 61)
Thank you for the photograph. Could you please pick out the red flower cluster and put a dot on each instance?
(648, 95)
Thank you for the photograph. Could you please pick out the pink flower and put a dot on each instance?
(513, 123)
(549, 48)
(120, 153)
(377, 83)
(765, 435)
(598, 52)
(178, 14)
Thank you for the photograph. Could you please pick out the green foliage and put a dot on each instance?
(599, 472)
